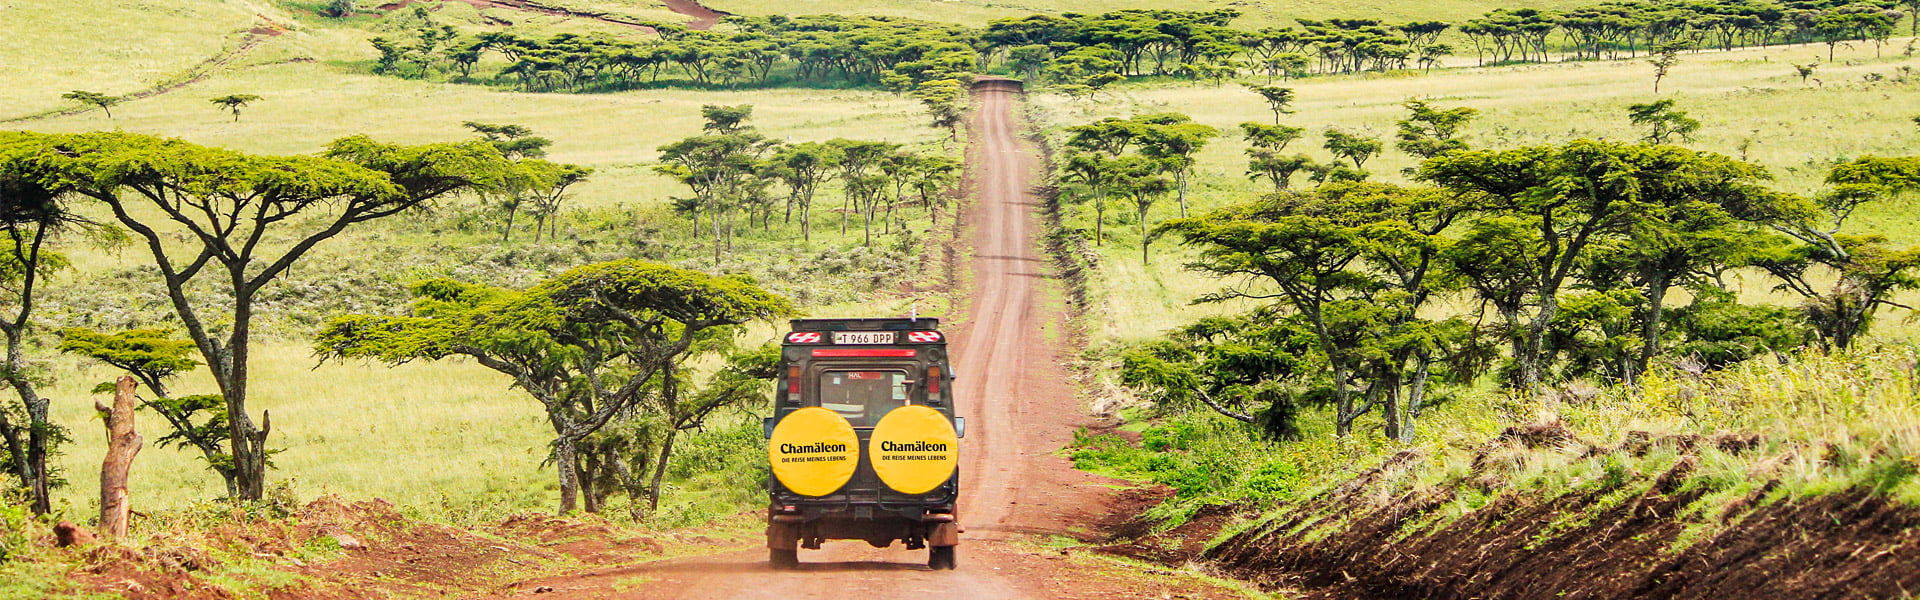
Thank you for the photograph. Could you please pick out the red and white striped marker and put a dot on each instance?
(803, 337)
(923, 336)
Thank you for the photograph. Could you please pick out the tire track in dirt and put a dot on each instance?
(703, 18)
(1020, 410)
(197, 73)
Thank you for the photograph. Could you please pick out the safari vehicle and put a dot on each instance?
(863, 443)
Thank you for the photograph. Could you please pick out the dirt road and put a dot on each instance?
(1020, 410)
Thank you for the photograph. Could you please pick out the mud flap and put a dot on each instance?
(782, 537)
(944, 534)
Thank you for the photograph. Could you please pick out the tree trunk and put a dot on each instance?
(564, 456)
(16, 447)
(660, 470)
(1533, 346)
(30, 456)
(1416, 394)
(1391, 408)
(1143, 238)
(866, 217)
(1650, 330)
(249, 444)
(716, 238)
(506, 235)
(1180, 178)
(123, 443)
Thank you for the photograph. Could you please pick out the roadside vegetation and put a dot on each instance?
(1261, 352)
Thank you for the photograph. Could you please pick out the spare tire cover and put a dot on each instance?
(813, 451)
(914, 449)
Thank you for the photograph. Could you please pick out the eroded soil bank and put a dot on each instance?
(1648, 535)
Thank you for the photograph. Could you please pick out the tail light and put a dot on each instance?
(933, 383)
(793, 384)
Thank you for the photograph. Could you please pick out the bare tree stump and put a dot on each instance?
(123, 443)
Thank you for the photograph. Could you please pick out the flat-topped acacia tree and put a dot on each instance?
(592, 344)
(32, 212)
(241, 221)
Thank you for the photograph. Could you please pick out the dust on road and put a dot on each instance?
(1020, 411)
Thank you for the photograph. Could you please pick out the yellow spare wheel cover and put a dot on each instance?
(813, 451)
(914, 449)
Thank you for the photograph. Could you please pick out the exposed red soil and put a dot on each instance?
(1848, 545)
(381, 554)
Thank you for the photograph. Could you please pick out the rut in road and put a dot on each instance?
(1020, 411)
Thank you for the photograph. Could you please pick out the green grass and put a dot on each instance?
(109, 46)
(1254, 12)
(450, 435)
(1748, 98)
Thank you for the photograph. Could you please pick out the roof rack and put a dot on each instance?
(868, 324)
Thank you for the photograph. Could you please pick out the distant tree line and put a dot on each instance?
(1087, 52)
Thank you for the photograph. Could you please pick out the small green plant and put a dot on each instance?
(13, 529)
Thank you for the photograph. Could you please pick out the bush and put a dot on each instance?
(13, 530)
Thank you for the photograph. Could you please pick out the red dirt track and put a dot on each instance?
(1020, 410)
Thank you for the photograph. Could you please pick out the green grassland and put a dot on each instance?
(444, 434)
(453, 435)
(1260, 13)
(109, 46)
(1750, 103)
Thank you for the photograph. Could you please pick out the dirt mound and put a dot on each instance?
(584, 540)
(1624, 539)
(337, 549)
(1138, 539)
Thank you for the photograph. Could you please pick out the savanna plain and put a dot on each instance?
(1634, 324)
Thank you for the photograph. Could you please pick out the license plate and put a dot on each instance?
(863, 337)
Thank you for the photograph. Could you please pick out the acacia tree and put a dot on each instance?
(519, 188)
(1664, 58)
(854, 159)
(1352, 146)
(1264, 159)
(155, 357)
(234, 102)
(1139, 180)
(95, 99)
(934, 180)
(942, 99)
(1276, 168)
(1279, 99)
(1173, 140)
(546, 185)
(221, 226)
(33, 210)
(592, 345)
(1428, 131)
(1573, 197)
(1091, 173)
(1663, 121)
(1247, 368)
(802, 168)
(1869, 270)
(1352, 264)
(716, 167)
